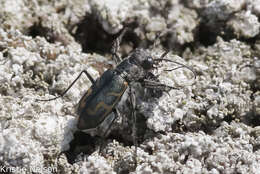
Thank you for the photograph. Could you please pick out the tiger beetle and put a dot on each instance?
(95, 107)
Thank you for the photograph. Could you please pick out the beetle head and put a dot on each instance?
(142, 58)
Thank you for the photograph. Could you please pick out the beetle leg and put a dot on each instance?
(117, 114)
(133, 108)
(106, 132)
(156, 85)
(85, 72)
(116, 46)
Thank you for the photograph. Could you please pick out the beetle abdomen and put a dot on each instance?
(100, 100)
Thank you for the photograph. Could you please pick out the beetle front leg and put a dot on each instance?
(116, 46)
(156, 85)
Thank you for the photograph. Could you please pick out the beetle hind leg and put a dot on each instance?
(85, 72)
(104, 134)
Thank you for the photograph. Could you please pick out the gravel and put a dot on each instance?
(210, 124)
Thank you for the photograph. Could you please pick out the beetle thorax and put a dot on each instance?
(131, 72)
(136, 66)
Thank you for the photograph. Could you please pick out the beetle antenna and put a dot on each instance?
(168, 60)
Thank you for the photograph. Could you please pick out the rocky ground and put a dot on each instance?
(210, 126)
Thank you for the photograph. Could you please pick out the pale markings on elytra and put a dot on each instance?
(82, 103)
(104, 105)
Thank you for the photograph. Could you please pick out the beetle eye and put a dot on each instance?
(148, 63)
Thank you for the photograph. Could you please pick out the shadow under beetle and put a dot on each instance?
(95, 107)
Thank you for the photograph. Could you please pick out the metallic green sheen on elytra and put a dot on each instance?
(99, 101)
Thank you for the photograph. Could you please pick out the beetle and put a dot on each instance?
(96, 105)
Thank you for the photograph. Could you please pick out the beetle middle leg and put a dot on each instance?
(85, 72)
(133, 114)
